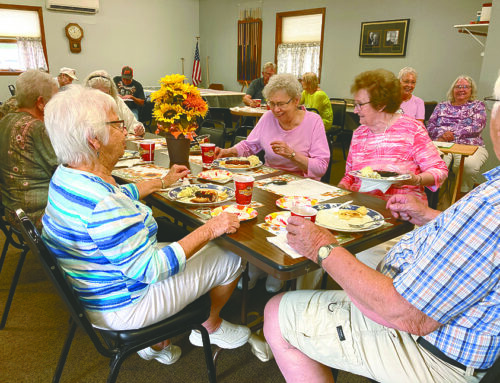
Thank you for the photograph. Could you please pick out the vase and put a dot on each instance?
(178, 150)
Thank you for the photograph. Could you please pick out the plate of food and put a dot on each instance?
(195, 150)
(278, 218)
(244, 212)
(350, 218)
(367, 173)
(216, 175)
(201, 194)
(288, 202)
(129, 154)
(238, 163)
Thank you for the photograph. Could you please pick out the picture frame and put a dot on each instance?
(384, 38)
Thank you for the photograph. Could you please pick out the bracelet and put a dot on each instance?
(162, 183)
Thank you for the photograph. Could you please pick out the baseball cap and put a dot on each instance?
(70, 72)
(127, 73)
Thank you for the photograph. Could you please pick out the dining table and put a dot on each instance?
(252, 240)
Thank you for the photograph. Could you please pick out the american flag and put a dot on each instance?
(196, 67)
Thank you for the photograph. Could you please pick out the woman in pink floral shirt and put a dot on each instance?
(387, 140)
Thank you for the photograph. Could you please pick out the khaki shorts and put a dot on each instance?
(328, 328)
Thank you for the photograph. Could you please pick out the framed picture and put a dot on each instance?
(384, 38)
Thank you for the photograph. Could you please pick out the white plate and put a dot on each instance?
(401, 177)
(217, 163)
(173, 194)
(216, 175)
(327, 217)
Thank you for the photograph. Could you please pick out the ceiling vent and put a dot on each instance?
(79, 6)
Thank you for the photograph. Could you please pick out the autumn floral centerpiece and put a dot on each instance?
(178, 106)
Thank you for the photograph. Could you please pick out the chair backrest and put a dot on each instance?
(146, 113)
(216, 86)
(221, 114)
(12, 90)
(216, 131)
(56, 275)
(339, 106)
(313, 110)
(429, 108)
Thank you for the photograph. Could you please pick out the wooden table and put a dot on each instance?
(463, 151)
(248, 112)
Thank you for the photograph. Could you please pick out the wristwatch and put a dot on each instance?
(292, 155)
(324, 252)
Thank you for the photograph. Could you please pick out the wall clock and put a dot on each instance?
(74, 33)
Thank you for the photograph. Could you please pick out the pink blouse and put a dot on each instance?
(405, 147)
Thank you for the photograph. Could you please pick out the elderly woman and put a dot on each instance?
(106, 240)
(293, 140)
(102, 81)
(27, 160)
(387, 140)
(313, 97)
(411, 105)
(461, 119)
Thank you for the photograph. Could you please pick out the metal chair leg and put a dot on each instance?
(64, 352)
(212, 378)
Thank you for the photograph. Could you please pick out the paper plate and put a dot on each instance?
(216, 175)
(278, 218)
(220, 163)
(244, 212)
(288, 202)
(400, 177)
(328, 218)
(182, 194)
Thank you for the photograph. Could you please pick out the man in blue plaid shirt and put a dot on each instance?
(430, 314)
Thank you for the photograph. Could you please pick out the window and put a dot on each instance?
(299, 41)
(22, 39)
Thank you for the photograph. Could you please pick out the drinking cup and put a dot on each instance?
(243, 189)
(306, 212)
(258, 102)
(207, 154)
(147, 151)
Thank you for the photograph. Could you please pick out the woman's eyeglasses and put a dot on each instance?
(118, 125)
(358, 105)
(273, 105)
(462, 86)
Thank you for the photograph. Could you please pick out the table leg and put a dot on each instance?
(458, 182)
(244, 294)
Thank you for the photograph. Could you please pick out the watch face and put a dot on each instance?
(74, 32)
(324, 251)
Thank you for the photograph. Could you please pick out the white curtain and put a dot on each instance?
(30, 51)
(298, 58)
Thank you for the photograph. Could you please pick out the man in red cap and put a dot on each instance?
(130, 90)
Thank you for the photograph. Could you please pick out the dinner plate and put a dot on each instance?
(288, 202)
(129, 154)
(278, 218)
(173, 194)
(244, 212)
(327, 217)
(216, 175)
(220, 164)
(400, 177)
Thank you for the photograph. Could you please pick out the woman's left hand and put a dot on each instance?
(282, 149)
(139, 130)
(415, 180)
(176, 173)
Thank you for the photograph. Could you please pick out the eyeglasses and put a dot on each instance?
(360, 104)
(462, 86)
(121, 127)
(273, 105)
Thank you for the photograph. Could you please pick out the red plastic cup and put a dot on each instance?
(207, 154)
(147, 150)
(258, 102)
(306, 212)
(243, 189)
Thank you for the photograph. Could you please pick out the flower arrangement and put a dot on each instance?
(177, 106)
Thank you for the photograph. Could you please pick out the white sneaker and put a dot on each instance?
(273, 285)
(169, 355)
(227, 336)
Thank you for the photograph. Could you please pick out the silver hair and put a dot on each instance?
(287, 82)
(407, 70)
(271, 65)
(473, 91)
(32, 84)
(74, 116)
(101, 79)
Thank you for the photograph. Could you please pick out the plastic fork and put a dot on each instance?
(367, 224)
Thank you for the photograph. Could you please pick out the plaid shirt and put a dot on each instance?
(450, 270)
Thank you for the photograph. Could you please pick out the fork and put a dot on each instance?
(367, 224)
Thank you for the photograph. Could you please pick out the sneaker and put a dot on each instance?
(169, 355)
(227, 336)
(273, 285)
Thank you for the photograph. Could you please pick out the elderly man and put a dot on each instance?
(66, 77)
(130, 90)
(27, 159)
(254, 91)
(431, 315)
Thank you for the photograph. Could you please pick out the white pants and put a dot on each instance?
(472, 167)
(208, 268)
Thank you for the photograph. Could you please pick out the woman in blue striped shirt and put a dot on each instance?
(105, 239)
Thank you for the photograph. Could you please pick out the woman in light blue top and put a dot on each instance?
(105, 239)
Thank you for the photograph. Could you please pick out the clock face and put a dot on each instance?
(74, 32)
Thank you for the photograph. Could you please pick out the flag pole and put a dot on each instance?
(208, 74)
(182, 60)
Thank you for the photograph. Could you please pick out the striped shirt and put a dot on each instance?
(405, 147)
(450, 270)
(105, 240)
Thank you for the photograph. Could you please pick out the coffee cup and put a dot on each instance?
(207, 154)
(243, 189)
(303, 211)
(258, 102)
(147, 151)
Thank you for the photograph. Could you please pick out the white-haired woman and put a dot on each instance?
(461, 119)
(411, 105)
(101, 80)
(106, 241)
(27, 160)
